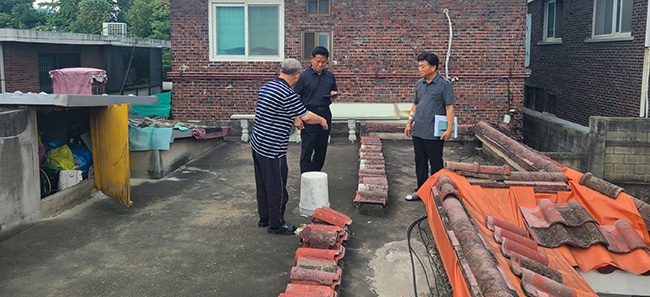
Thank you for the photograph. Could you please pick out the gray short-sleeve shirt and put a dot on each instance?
(430, 100)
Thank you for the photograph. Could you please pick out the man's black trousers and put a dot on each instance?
(314, 142)
(271, 187)
(427, 153)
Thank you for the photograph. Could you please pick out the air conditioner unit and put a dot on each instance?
(114, 29)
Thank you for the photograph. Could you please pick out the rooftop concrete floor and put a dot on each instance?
(194, 233)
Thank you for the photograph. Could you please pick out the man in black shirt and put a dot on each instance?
(316, 88)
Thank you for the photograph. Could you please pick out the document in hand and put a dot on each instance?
(440, 126)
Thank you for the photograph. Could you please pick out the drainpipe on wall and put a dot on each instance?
(3, 86)
(643, 112)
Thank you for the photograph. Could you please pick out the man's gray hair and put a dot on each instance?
(291, 66)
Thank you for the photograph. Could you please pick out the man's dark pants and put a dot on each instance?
(314, 142)
(271, 187)
(427, 153)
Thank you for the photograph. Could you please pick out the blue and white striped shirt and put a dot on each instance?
(277, 106)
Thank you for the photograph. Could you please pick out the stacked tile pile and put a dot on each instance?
(317, 272)
(527, 261)
(373, 184)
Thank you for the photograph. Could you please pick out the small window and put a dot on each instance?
(318, 7)
(552, 104)
(51, 61)
(246, 30)
(553, 18)
(534, 98)
(310, 40)
(612, 18)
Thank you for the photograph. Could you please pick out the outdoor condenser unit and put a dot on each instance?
(114, 29)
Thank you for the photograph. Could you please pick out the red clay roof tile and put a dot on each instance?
(509, 248)
(534, 284)
(500, 233)
(322, 236)
(330, 216)
(622, 237)
(309, 291)
(495, 222)
(313, 271)
(327, 254)
(547, 213)
(559, 234)
(519, 262)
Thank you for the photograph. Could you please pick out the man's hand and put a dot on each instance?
(299, 124)
(323, 124)
(446, 135)
(407, 130)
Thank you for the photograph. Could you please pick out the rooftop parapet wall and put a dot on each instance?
(616, 149)
(19, 180)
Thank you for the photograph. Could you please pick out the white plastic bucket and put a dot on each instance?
(313, 192)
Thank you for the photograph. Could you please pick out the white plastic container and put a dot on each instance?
(314, 192)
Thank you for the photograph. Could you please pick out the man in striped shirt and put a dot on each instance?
(277, 107)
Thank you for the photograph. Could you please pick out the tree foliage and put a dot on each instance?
(92, 14)
(149, 19)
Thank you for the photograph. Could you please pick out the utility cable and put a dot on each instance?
(412, 252)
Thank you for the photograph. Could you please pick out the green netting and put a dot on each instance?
(161, 109)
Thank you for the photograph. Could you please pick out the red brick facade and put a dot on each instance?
(375, 45)
(21, 62)
(586, 78)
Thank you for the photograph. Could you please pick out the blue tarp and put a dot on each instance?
(149, 138)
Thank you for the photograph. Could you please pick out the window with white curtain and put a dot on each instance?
(553, 19)
(612, 18)
(246, 30)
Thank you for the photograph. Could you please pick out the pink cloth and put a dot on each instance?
(77, 80)
(199, 133)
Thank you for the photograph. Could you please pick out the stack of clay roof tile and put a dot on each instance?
(373, 184)
(553, 225)
(482, 271)
(527, 261)
(317, 272)
(549, 225)
(502, 177)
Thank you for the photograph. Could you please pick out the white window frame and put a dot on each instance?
(213, 4)
(614, 35)
(546, 24)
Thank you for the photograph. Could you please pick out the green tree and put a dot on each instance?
(149, 19)
(61, 14)
(92, 14)
(20, 14)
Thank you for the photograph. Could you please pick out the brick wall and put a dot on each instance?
(21, 62)
(375, 45)
(588, 78)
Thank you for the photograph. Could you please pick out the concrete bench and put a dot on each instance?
(345, 112)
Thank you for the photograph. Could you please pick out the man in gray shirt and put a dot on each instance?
(433, 96)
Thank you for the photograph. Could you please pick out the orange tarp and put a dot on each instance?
(505, 204)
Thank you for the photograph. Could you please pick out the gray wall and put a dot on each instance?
(616, 149)
(19, 177)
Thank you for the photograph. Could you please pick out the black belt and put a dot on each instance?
(318, 108)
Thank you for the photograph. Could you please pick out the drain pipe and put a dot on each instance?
(446, 12)
(3, 86)
(643, 112)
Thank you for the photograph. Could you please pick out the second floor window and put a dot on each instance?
(246, 31)
(318, 7)
(553, 15)
(612, 18)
